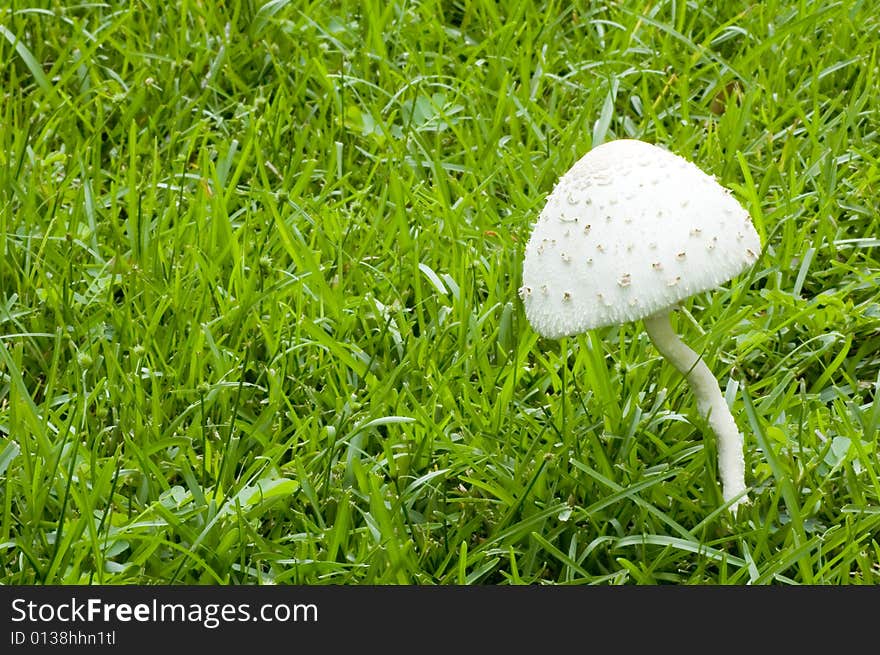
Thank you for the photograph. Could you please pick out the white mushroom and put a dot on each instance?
(680, 223)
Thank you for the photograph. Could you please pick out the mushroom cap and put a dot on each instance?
(630, 230)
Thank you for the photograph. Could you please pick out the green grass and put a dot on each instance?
(258, 311)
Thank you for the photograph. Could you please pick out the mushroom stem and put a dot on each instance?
(710, 403)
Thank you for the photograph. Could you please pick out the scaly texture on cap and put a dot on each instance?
(630, 230)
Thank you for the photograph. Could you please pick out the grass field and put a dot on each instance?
(259, 319)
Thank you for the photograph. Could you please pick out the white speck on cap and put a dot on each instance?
(661, 213)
